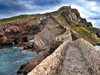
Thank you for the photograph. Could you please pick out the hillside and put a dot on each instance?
(65, 16)
(44, 33)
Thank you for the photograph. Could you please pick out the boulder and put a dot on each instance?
(31, 64)
(5, 40)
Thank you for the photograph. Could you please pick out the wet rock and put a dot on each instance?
(31, 64)
(5, 40)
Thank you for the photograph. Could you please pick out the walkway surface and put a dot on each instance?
(74, 63)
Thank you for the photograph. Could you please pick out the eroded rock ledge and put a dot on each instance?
(54, 64)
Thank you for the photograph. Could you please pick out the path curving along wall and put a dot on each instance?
(54, 64)
(91, 55)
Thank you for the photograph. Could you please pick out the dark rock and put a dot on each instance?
(31, 64)
(25, 39)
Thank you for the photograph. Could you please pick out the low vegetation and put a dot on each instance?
(74, 22)
(20, 17)
(84, 33)
(14, 18)
(55, 44)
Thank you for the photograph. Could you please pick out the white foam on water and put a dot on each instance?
(97, 47)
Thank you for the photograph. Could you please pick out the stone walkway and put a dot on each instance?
(74, 63)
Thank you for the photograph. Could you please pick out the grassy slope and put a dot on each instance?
(20, 17)
(84, 32)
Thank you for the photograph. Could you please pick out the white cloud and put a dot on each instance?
(28, 6)
(86, 8)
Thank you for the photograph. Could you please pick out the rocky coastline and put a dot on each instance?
(43, 34)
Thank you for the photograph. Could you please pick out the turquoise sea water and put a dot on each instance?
(12, 58)
(98, 47)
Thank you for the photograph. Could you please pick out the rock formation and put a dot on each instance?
(43, 33)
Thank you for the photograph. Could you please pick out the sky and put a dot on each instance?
(88, 9)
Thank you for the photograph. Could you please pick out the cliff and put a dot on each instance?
(43, 33)
(21, 29)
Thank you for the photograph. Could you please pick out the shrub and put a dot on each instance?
(55, 44)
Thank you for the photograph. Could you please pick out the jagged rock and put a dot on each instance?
(75, 15)
(45, 37)
(5, 40)
(26, 68)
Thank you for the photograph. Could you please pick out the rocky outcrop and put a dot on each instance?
(75, 15)
(82, 56)
(31, 64)
(47, 35)
(70, 14)
(17, 31)
(21, 31)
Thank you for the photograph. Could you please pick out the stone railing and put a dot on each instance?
(53, 64)
(64, 37)
(91, 55)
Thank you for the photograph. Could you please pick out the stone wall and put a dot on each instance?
(53, 64)
(91, 55)
(75, 35)
(64, 37)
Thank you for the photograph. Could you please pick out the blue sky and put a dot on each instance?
(88, 9)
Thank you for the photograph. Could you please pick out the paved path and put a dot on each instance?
(74, 63)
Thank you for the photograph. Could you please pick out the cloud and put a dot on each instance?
(10, 8)
(95, 18)
(88, 8)
(14, 7)
(46, 2)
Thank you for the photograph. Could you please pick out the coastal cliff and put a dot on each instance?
(23, 28)
(57, 39)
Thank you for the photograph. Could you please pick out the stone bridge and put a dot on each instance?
(70, 58)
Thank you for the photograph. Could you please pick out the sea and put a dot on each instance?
(98, 47)
(11, 58)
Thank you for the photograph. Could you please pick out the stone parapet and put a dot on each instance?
(53, 64)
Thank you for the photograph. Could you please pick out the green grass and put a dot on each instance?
(83, 32)
(60, 19)
(74, 22)
(15, 18)
(20, 17)
(90, 28)
(55, 44)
